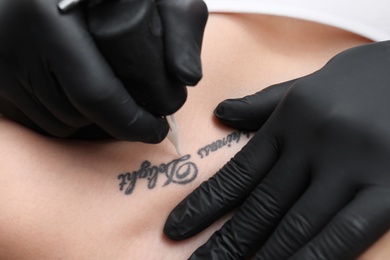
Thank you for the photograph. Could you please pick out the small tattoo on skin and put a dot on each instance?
(179, 171)
(226, 141)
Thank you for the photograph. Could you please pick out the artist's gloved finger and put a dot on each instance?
(252, 111)
(224, 191)
(93, 89)
(90, 132)
(117, 113)
(353, 229)
(136, 52)
(49, 93)
(20, 106)
(184, 23)
(261, 212)
(305, 219)
(12, 112)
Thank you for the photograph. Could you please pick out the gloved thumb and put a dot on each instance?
(251, 112)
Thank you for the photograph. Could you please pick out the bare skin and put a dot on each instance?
(63, 199)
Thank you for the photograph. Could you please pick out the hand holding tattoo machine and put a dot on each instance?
(153, 47)
(55, 80)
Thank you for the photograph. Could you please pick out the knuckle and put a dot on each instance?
(228, 246)
(344, 234)
(352, 226)
(268, 208)
(240, 173)
(97, 93)
(234, 185)
(230, 185)
(312, 252)
(298, 225)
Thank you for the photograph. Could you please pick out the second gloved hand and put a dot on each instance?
(314, 182)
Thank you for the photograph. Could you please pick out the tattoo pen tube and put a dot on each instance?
(66, 5)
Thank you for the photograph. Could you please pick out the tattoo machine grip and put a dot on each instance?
(130, 36)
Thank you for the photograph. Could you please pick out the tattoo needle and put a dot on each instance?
(173, 134)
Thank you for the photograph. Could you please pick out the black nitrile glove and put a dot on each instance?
(314, 182)
(153, 46)
(54, 78)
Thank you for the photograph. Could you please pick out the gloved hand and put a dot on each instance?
(314, 181)
(54, 78)
(153, 47)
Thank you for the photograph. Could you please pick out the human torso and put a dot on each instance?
(110, 199)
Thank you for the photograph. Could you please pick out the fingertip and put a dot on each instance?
(237, 113)
(171, 230)
(252, 111)
(178, 224)
(219, 111)
(186, 65)
(188, 72)
(159, 134)
(162, 134)
(145, 132)
(167, 101)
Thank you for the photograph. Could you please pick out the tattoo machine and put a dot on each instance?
(138, 58)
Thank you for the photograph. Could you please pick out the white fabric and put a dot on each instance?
(370, 19)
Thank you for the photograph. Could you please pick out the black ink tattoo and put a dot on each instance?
(179, 171)
(226, 141)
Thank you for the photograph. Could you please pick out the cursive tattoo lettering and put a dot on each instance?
(226, 141)
(179, 171)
